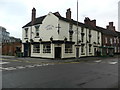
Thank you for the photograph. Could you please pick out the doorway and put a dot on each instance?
(26, 50)
(57, 52)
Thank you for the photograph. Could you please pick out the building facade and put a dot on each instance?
(4, 35)
(8, 44)
(53, 36)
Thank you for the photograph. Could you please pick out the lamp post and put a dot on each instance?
(77, 48)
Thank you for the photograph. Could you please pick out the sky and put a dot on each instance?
(16, 13)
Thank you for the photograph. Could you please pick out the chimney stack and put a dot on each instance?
(111, 27)
(87, 20)
(33, 15)
(93, 23)
(68, 14)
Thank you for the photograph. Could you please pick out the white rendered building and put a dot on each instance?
(53, 36)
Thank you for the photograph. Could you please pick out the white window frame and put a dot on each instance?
(68, 48)
(46, 48)
(36, 48)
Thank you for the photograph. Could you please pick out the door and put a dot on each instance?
(57, 52)
(77, 52)
(26, 50)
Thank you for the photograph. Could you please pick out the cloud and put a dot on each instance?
(16, 13)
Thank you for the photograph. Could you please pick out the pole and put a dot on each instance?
(77, 48)
(77, 22)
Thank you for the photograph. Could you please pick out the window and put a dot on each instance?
(70, 31)
(82, 49)
(26, 32)
(82, 38)
(82, 30)
(89, 39)
(115, 40)
(71, 36)
(68, 48)
(89, 48)
(89, 32)
(37, 30)
(98, 38)
(106, 40)
(36, 48)
(111, 41)
(46, 48)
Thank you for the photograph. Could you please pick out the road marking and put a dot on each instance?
(98, 61)
(20, 67)
(4, 62)
(9, 68)
(113, 62)
(38, 65)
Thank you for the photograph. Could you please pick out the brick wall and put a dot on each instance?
(10, 48)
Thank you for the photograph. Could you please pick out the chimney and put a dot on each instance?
(111, 24)
(68, 14)
(107, 27)
(93, 23)
(87, 20)
(33, 15)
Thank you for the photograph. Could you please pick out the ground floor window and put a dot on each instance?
(68, 48)
(46, 48)
(36, 48)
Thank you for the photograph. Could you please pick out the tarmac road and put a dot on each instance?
(102, 73)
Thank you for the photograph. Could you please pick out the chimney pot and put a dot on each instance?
(110, 23)
(68, 14)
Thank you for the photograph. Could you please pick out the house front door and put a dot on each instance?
(57, 52)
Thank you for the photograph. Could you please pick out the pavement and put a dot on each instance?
(40, 60)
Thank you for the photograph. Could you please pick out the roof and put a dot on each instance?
(37, 21)
(118, 33)
(106, 31)
(97, 28)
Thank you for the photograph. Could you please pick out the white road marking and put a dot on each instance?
(20, 67)
(9, 68)
(113, 62)
(4, 62)
(37, 65)
(98, 61)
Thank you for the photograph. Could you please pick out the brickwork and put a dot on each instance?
(10, 48)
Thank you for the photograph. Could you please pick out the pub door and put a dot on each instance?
(57, 52)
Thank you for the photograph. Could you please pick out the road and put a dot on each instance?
(102, 73)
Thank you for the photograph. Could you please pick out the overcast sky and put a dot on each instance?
(16, 13)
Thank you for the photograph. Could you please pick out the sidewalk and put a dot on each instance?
(40, 60)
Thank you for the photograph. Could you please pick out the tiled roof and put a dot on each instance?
(106, 31)
(97, 28)
(37, 21)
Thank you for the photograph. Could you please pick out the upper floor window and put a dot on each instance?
(111, 41)
(82, 49)
(37, 31)
(115, 40)
(98, 37)
(82, 38)
(82, 29)
(26, 32)
(106, 40)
